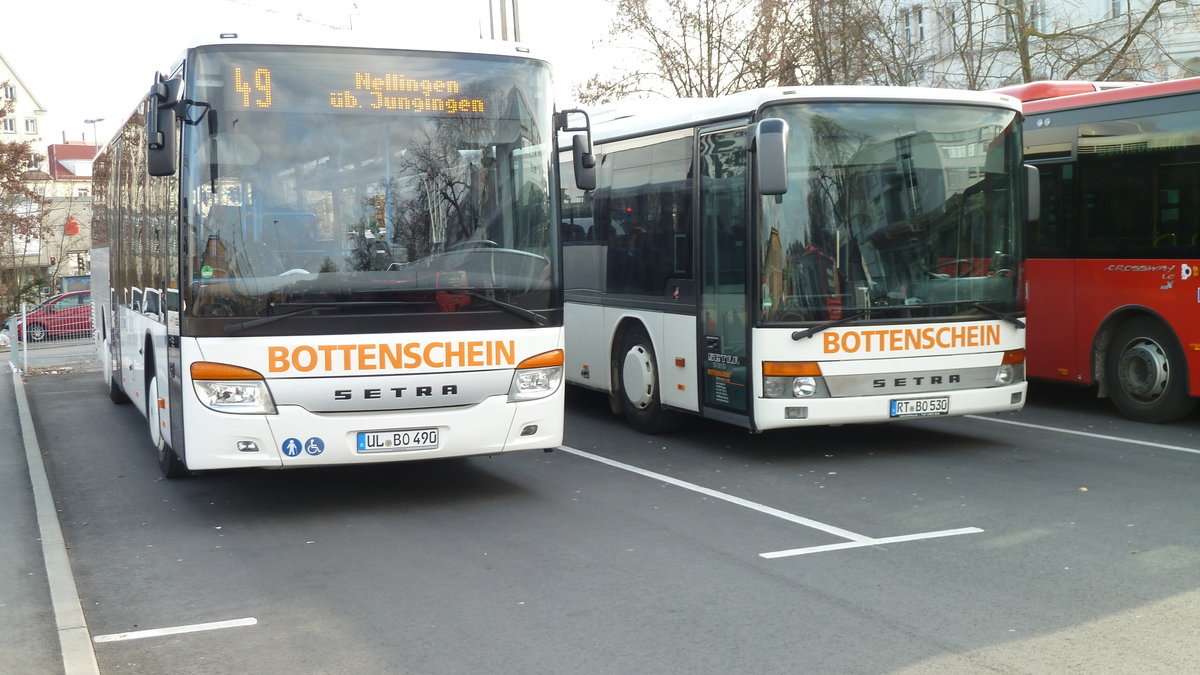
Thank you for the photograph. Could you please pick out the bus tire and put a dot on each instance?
(1146, 374)
(168, 461)
(640, 401)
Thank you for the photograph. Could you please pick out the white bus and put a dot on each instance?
(330, 253)
(805, 256)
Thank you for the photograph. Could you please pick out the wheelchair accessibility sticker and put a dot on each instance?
(292, 447)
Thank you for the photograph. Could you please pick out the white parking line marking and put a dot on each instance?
(761, 508)
(1160, 446)
(870, 542)
(176, 630)
(856, 540)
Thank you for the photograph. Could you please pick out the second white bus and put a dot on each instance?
(791, 257)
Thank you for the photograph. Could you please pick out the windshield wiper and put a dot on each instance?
(974, 304)
(532, 317)
(310, 307)
(1011, 318)
(306, 308)
(234, 328)
(809, 332)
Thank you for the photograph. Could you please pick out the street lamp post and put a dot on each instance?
(95, 141)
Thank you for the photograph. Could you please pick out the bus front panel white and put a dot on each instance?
(369, 398)
(868, 374)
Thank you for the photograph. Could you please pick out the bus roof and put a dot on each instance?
(370, 39)
(1060, 95)
(636, 117)
(1036, 91)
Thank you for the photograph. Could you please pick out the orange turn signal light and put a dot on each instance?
(1013, 356)
(543, 360)
(205, 370)
(791, 369)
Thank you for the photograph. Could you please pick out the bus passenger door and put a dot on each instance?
(1054, 349)
(723, 234)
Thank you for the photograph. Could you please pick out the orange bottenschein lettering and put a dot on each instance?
(396, 356)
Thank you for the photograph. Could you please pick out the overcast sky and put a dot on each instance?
(85, 59)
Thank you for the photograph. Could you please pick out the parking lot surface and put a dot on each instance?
(1054, 540)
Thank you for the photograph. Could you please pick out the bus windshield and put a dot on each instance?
(908, 206)
(324, 182)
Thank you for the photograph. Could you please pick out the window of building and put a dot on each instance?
(30, 125)
(1118, 8)
(1038, 17)
(81, 260)
(913, 23)
(10, 92)
(9, 125)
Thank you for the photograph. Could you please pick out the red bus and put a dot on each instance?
(1112, 271)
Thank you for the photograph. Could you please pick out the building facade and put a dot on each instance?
(982, 44)
(53, 242)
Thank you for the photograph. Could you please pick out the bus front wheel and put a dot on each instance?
(1146, 374)
(168, 461)
(638, 369)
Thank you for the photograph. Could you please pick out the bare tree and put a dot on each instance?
(701, 48)
(22, 226)
(713, 47)
(843, 37)
(986, 43)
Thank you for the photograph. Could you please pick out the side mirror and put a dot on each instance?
(584, 161)
(162, 127)
(1033, 193)
(769, 143)
(581, 147)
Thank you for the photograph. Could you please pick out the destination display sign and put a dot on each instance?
(251, 86)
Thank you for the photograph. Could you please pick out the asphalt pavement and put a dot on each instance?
(1105, 589)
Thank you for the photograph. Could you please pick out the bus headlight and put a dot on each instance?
(1012, 368)
(231, 389)
(804, 387)
(537, 377)
(790, 387)
(783, 379)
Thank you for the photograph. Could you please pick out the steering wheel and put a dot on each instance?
(963, 265)
(475, 243)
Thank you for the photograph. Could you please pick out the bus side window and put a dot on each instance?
(1049, 235)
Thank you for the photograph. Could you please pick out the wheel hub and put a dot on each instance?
(1144, 370)
(637, 372)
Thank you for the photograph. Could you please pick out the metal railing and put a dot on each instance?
(54, 343)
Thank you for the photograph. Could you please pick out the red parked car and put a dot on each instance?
(66, 315)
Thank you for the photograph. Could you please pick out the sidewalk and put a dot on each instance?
(28, 632)
(54, 356)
